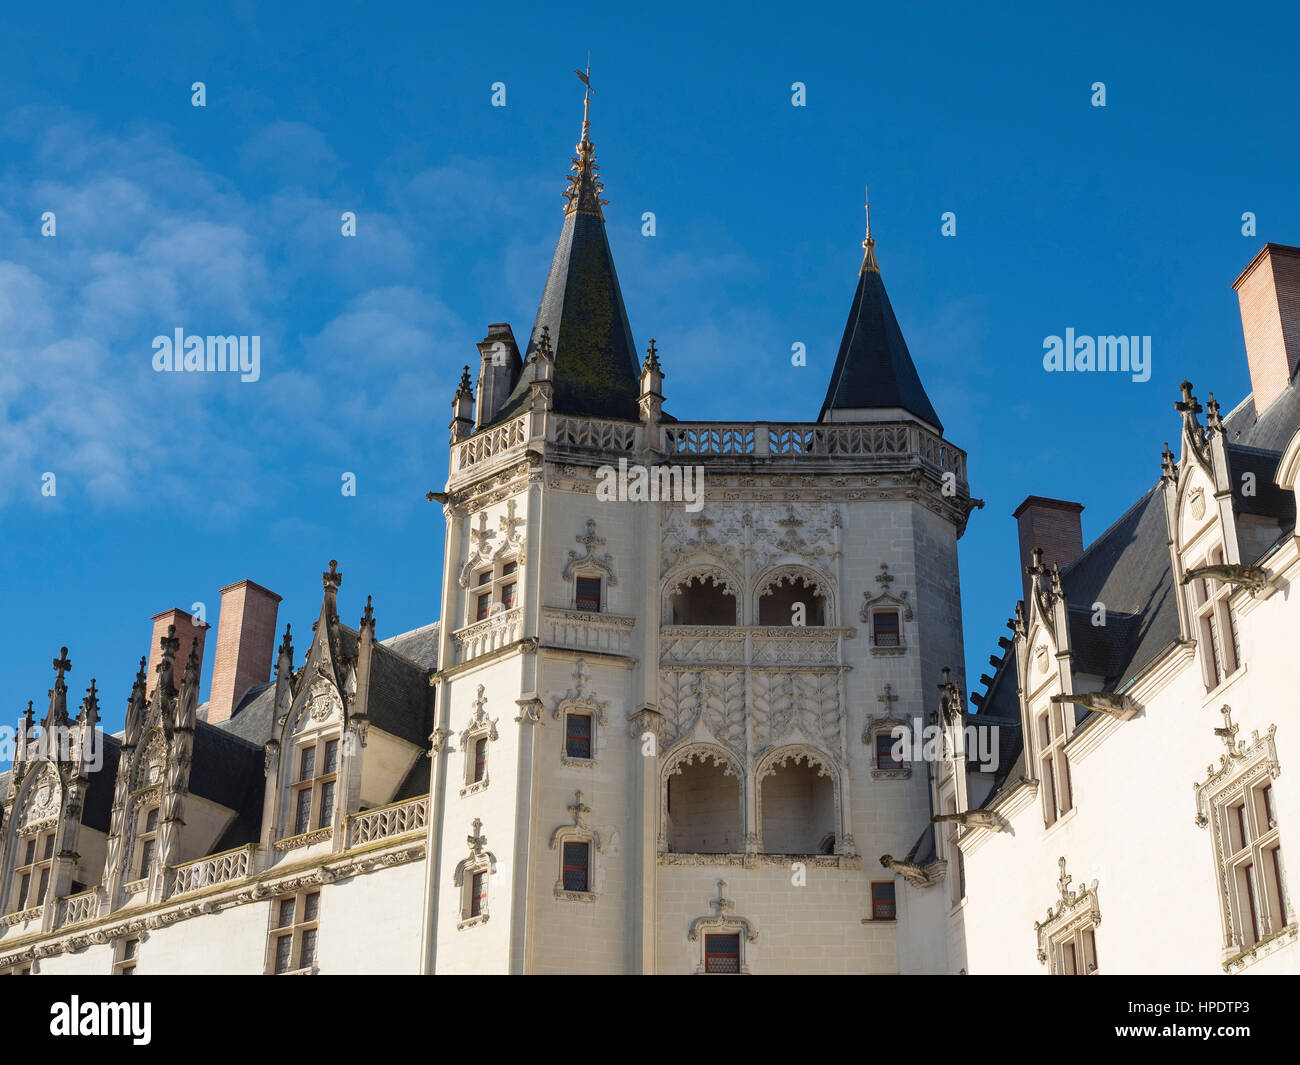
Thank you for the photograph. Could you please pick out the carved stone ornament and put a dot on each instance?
(1073, 910)
(590, 559)
(723, 920)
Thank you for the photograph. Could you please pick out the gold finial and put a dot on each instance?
(868, 245)
(583, 193)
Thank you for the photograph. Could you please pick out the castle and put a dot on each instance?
(654, 733)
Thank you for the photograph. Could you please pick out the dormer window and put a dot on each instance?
(314, 791)
(32, 877)
(588, 594)
(146, 842)
(1216, 625)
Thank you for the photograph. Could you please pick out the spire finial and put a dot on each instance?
(583, 193)
(869, 244)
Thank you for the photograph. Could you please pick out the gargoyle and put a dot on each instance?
(1113, 703)
(1252, 578)
(971, 819)
(916, 875)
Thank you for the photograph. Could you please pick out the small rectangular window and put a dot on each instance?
(146, 857)
(575, 867)
(1252, 899)
(509, 568)
(477, 894)
(722, 954)
(508, 596)
(48, 852)
(332, 756)
(23, 885)
(307, 764)
(307, 955)
(311, 906)
(883, 906)
(484, 577)
(285, 919)
(885, 758)
(150, 822)
(577, 735)
(1070, 965)
(588, 594)
(484, 607)
(480, 759)
(31, 851)
(885, 631)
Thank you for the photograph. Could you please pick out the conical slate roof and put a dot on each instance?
(596, 369)
(874, 369)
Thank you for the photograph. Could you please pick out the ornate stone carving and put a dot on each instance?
(1073, 910)
(590, 558)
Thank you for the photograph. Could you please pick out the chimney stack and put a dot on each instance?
(245, 645)
(499, 373)
(187, 630)
(1054, 525)
(1268, 293)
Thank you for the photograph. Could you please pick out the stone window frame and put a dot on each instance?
(138, 868)
(1243, 772)
(1209, 605)
(723, 921)
(479, 727)
(126, 954)
(294, 931)
(480, 860)
(885, 724)
(592, 564)
(1071, 922)
(1050, 757)
(893, 901)
(498, 580)
(319, 743)
(42, 836)
(578, 832)
(580, 699)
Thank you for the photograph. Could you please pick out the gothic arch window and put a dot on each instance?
(590, 574)
(702, 809)
(723, 938)
(581, 715)
(472, 876)
(886, 615)
(577, 847)
(1067, 938)
(793, 595)
(884, 736)
(478, 735)
(701, 595)
(1239, 806)
(798, 800)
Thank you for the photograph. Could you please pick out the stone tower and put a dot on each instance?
(669, 651)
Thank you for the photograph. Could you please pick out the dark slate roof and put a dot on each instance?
(400, 699)
(98, 810)
(253, 718)
(419, 645)
(1006, 741)
(1274, 430)
(873, 368)
(1127, 569)
(230, 771)
(416, 782)
(923, 852)
(596, 367)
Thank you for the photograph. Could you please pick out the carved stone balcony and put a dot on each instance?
(772, 647)
(487, 635)
(214, 869)
(80, 907)
(586, 631)
(384, 822)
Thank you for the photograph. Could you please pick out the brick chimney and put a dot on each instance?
(1054, 525)
(1268, 293)
(245, 645)
(187, 630)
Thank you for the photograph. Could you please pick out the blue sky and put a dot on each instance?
(1124, 219)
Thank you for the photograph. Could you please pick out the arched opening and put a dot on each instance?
(798, 810)
(703, 809)
(702, 600)
(792, 601)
